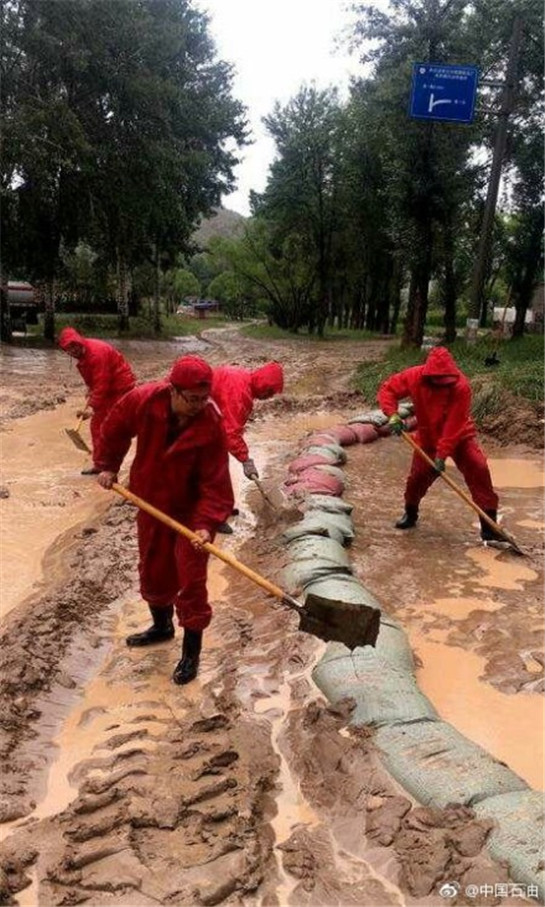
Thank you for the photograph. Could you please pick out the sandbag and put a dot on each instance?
(313, 558)
(306, 460)
(334, 450)
(343, 434)
(365, 432)
(314, 481)
(328, 503)
(319, 438)
(518, 835)
(384, 694)
(438, 766)
(376, 416)
(337, 526)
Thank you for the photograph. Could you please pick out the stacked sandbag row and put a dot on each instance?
(428, 756)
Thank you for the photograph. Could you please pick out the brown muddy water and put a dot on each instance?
(242, 788)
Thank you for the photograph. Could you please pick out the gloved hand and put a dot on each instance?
(250, 469)
(396, 424)
(439, 464)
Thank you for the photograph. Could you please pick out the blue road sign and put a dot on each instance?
(444, 91)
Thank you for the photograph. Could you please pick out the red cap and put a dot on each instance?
(190, 372)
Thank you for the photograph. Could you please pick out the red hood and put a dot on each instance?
(68, 336)
(267, 380)
(440, 364)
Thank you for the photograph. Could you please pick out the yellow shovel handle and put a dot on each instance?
(193, 537)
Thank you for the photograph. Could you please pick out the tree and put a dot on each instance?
(119, 120)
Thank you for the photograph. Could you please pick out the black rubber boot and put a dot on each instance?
(161, 630)
(187, 667)
(409, 518)
(225, 529)
(91, 471)
(488, 534)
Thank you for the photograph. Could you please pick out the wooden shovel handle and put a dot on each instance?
(192, 536)
(460, 492)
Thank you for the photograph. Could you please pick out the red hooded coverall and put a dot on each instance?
(106, 373)
(187, 478)
(234, 389)
(445, 426)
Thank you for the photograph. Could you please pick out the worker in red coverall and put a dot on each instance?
(234, 389)
(441, 395)
(181, 466)
(107, 375)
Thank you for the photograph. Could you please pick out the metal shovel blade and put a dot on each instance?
(336, 621)
(76, 439)
(274, 497)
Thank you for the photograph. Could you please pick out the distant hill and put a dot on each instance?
(225, 223)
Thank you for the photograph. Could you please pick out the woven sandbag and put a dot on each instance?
(365, 432)
(343, 434)
(336, 526)
(313, 558)
(383, 693)
(315, 481)
(334, 450)
(326, 502)
(518, 834)
(376, 416)
(319, 438)
(306, 460)
(437, 765)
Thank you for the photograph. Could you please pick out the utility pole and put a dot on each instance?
(483, 255)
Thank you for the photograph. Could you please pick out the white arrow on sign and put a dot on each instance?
(434, 103)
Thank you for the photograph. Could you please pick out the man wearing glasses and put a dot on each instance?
(181, 467)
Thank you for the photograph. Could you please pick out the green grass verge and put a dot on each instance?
(520, 371)
(140, 328)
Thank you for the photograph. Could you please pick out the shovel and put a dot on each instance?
(274, 498)
(75, 437)
(329, 619)
(461, 494)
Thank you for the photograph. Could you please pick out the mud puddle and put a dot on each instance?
(473, 614)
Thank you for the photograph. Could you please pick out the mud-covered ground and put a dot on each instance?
(245, 787)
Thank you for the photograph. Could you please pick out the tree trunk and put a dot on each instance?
(122, 294)
(450, 284)
(156, 312)
(49, 311)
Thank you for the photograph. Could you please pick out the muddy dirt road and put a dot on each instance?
(245, 787)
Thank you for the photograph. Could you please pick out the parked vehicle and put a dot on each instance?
(24, 303)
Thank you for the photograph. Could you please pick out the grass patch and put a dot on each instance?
(140, 328)
(520, 371)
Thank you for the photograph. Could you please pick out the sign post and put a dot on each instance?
(442, 91)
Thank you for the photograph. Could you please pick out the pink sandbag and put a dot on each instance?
(315, 481)
(320, 438)
(344, 435)
(365, 432)
(305, 461)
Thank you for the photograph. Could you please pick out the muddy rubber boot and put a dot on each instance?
(91, 471)
(225, 529)
(409, 518)
(186, 669)
(161, 630)
(488, 534)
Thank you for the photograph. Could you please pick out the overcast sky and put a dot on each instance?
(275, 46)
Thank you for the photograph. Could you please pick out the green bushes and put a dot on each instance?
(520, 370)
